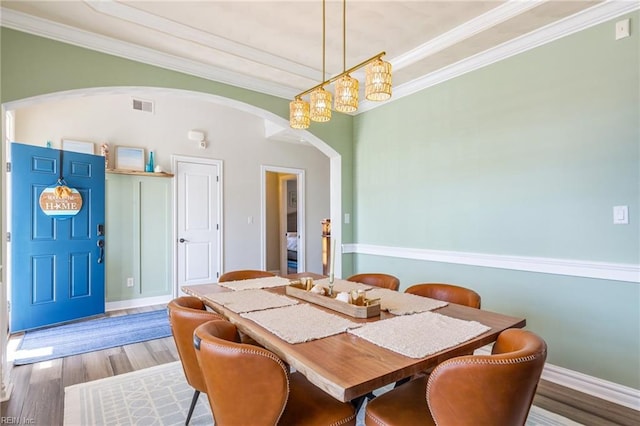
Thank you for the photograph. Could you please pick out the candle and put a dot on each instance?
(332, 261)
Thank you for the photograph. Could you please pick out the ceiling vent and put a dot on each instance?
(142, 105)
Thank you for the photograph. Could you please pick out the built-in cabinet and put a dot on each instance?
(138, 236)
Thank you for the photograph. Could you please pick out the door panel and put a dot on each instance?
(198, 220)
(57, 275)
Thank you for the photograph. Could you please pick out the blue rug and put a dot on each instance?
(93, 335)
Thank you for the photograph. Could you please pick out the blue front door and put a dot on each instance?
(57, 266)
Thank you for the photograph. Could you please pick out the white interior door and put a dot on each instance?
(198, 220)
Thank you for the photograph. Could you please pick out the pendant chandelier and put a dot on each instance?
(377, 85)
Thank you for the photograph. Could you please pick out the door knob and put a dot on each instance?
(100, 244)
(182, 240)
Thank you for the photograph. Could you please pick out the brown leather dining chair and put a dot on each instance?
(377, 280)
(470, 390)
(448, 293)
(185, 314)
(244, 274)
(249, 385)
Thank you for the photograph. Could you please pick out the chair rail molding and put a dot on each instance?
(576, 268)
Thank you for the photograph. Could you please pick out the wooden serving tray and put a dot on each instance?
(297, 291)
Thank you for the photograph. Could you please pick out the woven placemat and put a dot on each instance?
(419, 335)
(403, 303)
(250, 300)
(254, 283)
(300, 323)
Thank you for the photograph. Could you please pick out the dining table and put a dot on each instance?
(345, 365)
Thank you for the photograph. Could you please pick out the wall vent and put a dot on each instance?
(142, 105)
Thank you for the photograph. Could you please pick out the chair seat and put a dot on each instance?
(404, 405)
(248, 385)
(308, 405)
(470, 390)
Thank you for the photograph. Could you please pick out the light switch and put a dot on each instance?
(620, 215)
(347, 218)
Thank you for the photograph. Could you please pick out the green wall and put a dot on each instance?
(525, 157)
(32, 66)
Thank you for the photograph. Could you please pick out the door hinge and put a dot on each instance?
(217, 227)
(8, 167)
(8, 237)
(217, 178)
(8, 305)
(217, 274)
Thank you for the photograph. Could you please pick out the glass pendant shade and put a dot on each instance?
(299, 114)
(346, 93)
(378, 81)
(320, 105)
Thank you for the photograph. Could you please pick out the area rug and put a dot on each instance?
(160, 395)
(91, 335)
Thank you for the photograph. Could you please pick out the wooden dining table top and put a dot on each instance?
(347, 366)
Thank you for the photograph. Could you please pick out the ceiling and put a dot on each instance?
(275, 47)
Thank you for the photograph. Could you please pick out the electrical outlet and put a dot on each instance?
(130, 282)
(622, 29)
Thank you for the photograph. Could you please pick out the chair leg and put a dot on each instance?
(196, 394)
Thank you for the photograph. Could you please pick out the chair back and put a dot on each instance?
(496, 389)
(185, 314)
(377, 280)
(448, 293)
(248, 385)
(244, 274)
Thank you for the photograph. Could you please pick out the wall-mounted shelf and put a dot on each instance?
(136, 173)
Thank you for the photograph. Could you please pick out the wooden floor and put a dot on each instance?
(38, 394)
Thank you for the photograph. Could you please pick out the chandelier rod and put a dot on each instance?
(334, 78)
(344, 35)
(324, 24)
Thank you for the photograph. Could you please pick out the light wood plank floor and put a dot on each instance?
(38, 394)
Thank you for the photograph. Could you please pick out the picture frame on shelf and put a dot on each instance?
(130, 158)
(82, 147)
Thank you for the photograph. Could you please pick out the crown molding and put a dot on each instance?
(41, 27)
(490, 19)
(595, 15)
(575, 268)
(185, 32)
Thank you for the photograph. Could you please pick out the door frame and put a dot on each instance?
(175, 159)
(299, 174)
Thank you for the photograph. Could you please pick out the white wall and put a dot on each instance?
(233, 136)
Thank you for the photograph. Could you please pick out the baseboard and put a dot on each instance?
(137, 303)
(6, 392)
(593, 386)
(576, 268)
(602, 389)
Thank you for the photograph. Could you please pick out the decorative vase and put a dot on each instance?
(150, 165)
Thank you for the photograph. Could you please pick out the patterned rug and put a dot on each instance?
(160, 395)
